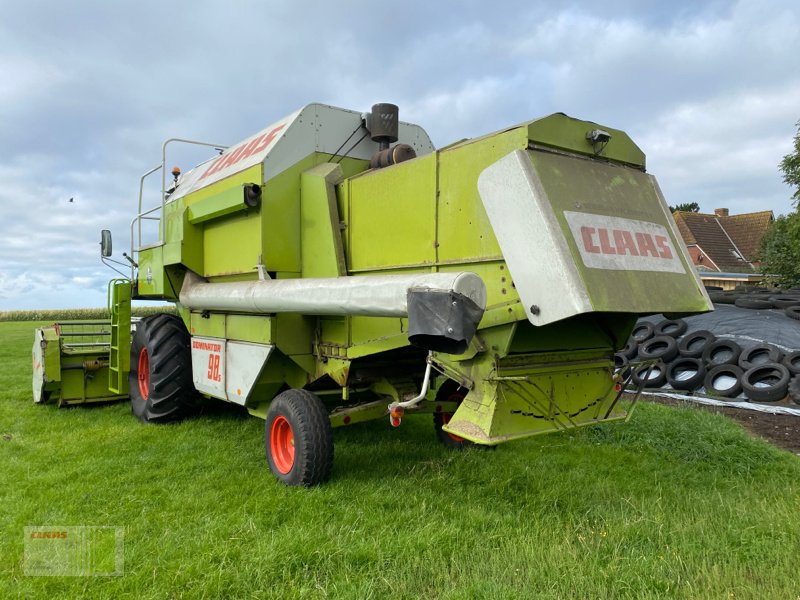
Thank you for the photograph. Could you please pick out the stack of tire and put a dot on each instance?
(757, 298)
(689, 361)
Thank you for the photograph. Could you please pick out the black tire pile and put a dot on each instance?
(756, 298)
(694, 360)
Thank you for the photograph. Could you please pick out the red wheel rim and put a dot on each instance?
(281, 444)
(144, 374)
(445, 420)
(454, 397)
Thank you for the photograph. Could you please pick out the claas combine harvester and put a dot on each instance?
(336, 268)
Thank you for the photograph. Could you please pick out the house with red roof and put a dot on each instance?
(722, 242)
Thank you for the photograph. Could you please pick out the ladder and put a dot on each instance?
(119, 360)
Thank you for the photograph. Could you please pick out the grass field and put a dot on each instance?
(675, 504)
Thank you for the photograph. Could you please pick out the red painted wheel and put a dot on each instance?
(449, 392)
(143, 376)
(281, 444)
(447, 416)
(298, 438)
(160, 377)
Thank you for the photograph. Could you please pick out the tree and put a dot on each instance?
(780, 250)
(790, 167)
(685, 207)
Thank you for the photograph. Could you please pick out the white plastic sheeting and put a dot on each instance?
(765, 408)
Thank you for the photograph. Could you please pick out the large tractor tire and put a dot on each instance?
(298, 439)
(161, 386)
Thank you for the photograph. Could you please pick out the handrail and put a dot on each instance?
(164, 161)
(141, 193)
(136, 242)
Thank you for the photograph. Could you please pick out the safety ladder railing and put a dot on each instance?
(148, 214)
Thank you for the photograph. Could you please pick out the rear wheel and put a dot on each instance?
(449, 392)
(448, 439)
(160, 379)
(298, 439)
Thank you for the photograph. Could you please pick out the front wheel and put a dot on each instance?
(160, 379)
(298, 439)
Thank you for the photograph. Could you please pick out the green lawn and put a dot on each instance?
(677, 503)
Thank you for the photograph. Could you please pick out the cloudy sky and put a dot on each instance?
(90, 89)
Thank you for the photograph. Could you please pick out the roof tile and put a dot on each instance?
(725, 239)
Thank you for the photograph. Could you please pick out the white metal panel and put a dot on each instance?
(323, 128)
(244, 362)
(531, 239)
(236, 158)
(39, 376)
(208, 366)
(314, 128)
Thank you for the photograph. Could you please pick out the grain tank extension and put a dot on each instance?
(336, 268)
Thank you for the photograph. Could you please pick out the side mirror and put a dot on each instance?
(105, 243)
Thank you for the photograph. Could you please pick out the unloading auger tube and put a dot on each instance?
(443, 309)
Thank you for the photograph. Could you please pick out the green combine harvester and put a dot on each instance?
(336, 268)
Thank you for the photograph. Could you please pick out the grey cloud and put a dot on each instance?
(90, 90)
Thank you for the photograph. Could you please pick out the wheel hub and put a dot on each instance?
(281, 444)
(143, 374)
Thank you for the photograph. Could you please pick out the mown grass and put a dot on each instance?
(675, 504)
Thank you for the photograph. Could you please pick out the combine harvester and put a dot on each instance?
(336, 268)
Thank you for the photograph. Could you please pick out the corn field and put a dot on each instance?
(78, 314)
